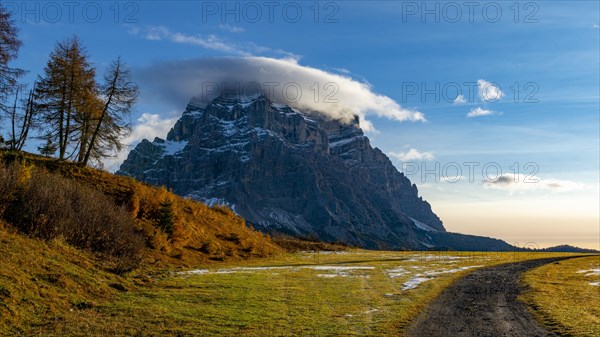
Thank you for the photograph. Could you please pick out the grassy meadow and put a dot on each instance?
(565, 296)
(351, 293)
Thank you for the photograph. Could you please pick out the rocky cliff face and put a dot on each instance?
(288, 171)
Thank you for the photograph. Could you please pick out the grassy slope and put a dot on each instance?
(200, 233)
(46, 285)
(563, 299)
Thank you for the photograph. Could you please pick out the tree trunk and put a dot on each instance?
(104, 112)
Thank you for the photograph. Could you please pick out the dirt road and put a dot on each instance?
(482, 304)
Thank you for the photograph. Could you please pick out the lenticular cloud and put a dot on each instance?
(282, 80)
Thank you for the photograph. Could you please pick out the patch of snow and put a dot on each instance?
(227, 147)
(210, 202)
(194, 113)
(194, 272)
(341, 271)
(432, 257)
(229, 128)
(249, 98)
(370, 311)
(247, 269)
(396, 272)
(422, 226)
(247, 104)
(343, 141)
(334, 271)
(595, 284)
(414, 282)
(279, 106)
(590, 272)
(448, 271)
(172, 147)
(339, 268)
(430, 275)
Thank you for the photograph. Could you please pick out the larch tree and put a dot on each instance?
(9, 50)
(65, 98)
(119, 95)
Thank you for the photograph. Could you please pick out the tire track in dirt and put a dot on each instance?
(483, 304)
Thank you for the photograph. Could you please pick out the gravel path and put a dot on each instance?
(483, 304)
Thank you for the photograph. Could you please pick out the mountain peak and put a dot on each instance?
(287, 170)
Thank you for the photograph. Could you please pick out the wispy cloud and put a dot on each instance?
(411, 155)
(231, 28)
(520, 183)
(478, 112)
(209, 41)
(460, 99)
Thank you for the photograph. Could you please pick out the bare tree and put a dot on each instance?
(120, 94)
(9, 50)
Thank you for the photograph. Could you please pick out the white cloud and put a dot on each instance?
(339, 96)
(521, 183)
(595, 26)
(411, 155)
(460, 99)
(477, 112)
(231, 28)
(148, 126)
(489, 92)
(453, 179)
(343, 71)
(211, 41)
(156, 33)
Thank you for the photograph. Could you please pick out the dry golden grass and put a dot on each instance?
(42, 283)
(197, 234)
(46, 286)
(562, 298)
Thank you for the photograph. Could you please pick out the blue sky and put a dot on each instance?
(549, 50)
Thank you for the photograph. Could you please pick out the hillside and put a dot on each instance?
(176, 231)
(43, 283)
(568, 249)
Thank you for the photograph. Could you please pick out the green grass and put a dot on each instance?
(562, 298)
(289, 301)
(48, 288)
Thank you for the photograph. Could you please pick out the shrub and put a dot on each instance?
(9, 177)
(166, 217)
(50, 206)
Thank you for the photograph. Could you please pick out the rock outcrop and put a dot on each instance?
(288, 171)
